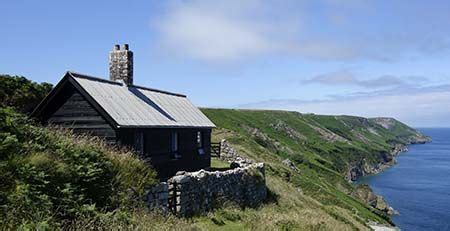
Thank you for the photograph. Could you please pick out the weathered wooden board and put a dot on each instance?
(77, 114)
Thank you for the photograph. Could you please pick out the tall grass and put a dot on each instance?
(51, 177)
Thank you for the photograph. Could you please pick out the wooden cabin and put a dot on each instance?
(163, 127)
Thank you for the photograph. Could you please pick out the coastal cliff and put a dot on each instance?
(365, 193)
(320, 155)
(404, 136)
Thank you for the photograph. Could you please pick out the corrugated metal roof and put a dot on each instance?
(138, 106)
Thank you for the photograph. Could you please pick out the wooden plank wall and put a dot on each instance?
(77, 114)
(157, 142)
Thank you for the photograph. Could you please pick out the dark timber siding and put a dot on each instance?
(77, 114)
(157, 148)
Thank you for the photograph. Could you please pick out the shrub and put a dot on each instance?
(21, 93)
(52, 177)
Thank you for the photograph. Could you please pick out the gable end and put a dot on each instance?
(79, 116)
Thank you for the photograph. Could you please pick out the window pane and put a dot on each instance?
(199, 139)
(174, 141)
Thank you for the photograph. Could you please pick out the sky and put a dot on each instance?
(387, 58)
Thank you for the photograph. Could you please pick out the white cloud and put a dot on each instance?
(233, 30)
(416, 106)
(349, 78)
(206, 35)
(221, 32)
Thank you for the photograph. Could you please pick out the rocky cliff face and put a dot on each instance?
(365, 168)
(365, 193)
(409, 136)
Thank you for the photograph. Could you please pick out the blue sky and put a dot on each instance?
(367, 58)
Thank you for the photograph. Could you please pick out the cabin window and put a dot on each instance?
(199, 139)
(200, 149)
(174, 146)
(139, 143)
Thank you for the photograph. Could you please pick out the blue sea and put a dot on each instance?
(418, 186)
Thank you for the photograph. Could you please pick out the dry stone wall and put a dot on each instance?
(231, 155)
(198, 192)
(157, 197)
(190, 193)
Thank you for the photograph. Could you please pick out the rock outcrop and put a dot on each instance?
(266, 141)
(291, 165)
(329, 135)
(290, 132)
(366, 194)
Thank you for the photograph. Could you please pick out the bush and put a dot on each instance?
(52, 177)
(22, 94)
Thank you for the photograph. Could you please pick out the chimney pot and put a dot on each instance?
(121, 64)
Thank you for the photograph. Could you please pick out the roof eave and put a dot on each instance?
(165, 126)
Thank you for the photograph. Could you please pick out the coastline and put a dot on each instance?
(363, 168)
(365, 192)
(378, 227)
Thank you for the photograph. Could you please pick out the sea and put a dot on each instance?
(418, 186)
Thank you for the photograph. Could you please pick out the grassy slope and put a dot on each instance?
(317, 197)
(50, 178)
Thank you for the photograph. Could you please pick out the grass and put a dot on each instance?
(219, 164)
(53, 178)
(291, 211)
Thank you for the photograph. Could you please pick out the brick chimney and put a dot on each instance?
(121, 64)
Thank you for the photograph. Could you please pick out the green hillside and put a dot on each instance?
(331, 143)
(324, 149)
